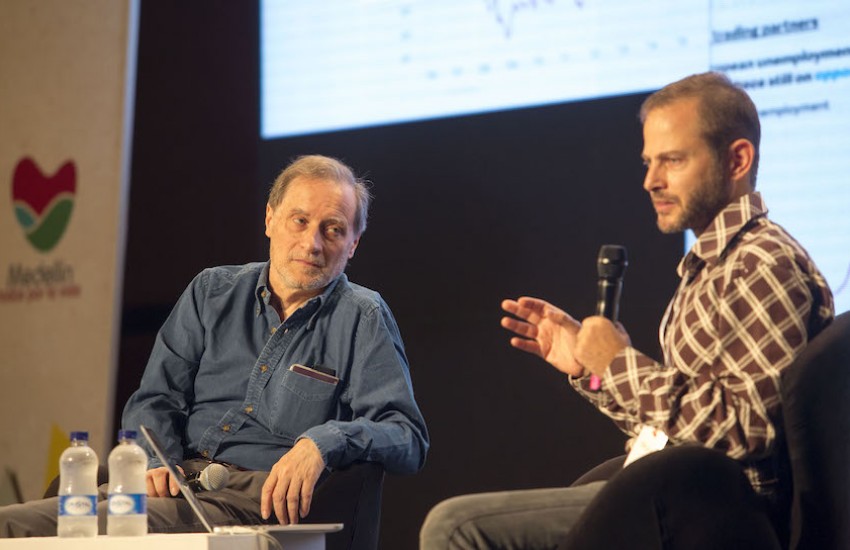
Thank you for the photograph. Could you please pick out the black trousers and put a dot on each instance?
(685, 497)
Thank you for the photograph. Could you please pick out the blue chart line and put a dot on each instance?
(505, 12)
(844, 284)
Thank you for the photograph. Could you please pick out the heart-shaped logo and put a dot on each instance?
(43, 204)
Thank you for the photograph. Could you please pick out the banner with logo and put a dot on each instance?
(67, 77)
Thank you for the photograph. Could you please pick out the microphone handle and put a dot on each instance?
(608, 306)
(195, 483)
(199, 481)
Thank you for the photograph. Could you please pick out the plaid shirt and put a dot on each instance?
(749, 300)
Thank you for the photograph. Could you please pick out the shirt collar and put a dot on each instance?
(263, 295)
(721, 231)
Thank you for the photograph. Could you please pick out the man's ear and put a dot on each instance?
(269, 216)
(353, 247)
(742, 154)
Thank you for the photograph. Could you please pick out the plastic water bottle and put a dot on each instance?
(127, 488)
(77, 489)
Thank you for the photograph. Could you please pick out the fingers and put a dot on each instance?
(511, 306)
(535, 310)
(273, 497)
(528, 313)
(529, 346)
(293, 503)
(289, 487)
(266, 495)
(529, 309)
(151, 485)
(280, 502)
(158, 482)
(306, 499)
(173, 486)
(287, 498)
(521, 328)
(525, 324)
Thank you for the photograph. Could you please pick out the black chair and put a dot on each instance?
(816, 408)
(351, 496)
(601, 472)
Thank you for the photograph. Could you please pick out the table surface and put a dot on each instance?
(295, 537)
(181, 541)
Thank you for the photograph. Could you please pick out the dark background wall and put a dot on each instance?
(468, 211)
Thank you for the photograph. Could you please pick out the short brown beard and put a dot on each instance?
(705, 203)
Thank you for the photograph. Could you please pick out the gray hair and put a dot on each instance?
(327, 168)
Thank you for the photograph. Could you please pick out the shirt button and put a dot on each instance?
(263, 294)
(249, 409)
(225, 428)
(205, 453)
(274, 329)
(264, 368)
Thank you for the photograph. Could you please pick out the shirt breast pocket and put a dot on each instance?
(299, 403)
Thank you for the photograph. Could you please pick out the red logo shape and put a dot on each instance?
(43, 204)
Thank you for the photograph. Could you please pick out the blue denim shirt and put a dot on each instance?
(218, 382)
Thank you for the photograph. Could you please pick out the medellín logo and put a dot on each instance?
(43, 204)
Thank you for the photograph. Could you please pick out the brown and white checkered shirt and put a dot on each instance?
(749, 300)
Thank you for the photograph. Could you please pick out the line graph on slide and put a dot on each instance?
(505, 12)
(842, 287)
(414, 59)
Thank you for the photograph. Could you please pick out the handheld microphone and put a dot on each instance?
(610, 266)
(211, 478)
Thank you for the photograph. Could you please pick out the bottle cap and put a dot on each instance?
(126, 434)
(79, 436)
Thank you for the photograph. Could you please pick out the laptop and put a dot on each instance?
(203, 516)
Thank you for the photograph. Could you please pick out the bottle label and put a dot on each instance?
(125, 504)
(77, 505)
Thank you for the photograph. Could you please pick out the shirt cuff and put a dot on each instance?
(330, 442)
(601, 396)
(620, 363)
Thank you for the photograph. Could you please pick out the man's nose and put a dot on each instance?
(653, 179)
(312, 239)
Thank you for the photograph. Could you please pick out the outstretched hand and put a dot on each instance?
(289, 487)
(544, 330)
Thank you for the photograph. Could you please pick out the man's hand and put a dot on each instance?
(160, 483)
(289, 487)
(598, 342)
(544, 330)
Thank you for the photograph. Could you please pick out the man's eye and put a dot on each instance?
(334, 231)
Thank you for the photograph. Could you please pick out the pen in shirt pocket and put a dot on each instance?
(317, 372)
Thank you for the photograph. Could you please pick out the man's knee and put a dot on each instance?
(444, 520)
(22, 520)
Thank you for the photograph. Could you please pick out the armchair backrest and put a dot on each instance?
(816, 411)
(351, 496)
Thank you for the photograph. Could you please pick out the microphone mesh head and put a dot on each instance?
(612, 261)
(214, 477)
